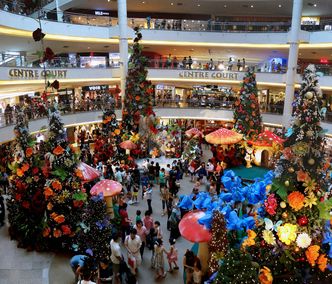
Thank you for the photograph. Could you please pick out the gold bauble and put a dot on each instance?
(268, 187)
(297, 249)
(283, 204)
(291, 170)
(284, 215)
(287, 183)
(309, 95)
(311, 161)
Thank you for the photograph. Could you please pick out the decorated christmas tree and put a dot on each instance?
(294, 242)
(218, 245)
(63, 187)
(137, 112)
(26, 205)
(192, 149)
(96, 230)
(247, 116)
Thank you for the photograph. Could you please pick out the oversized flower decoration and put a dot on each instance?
(303, 240)
(265, 276)
(269, 237)
(271, 204)
(312, 253)
(287, 233)
(296, 200)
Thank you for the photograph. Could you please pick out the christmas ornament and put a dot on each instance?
(311, 161)
(287, 183)
(302, 221)
(291, 170)
(309, 95)
(283, 204)
(284, 215)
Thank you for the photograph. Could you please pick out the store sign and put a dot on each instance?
(209, 75)
(36, 74)
(95, 88)
(310, 21)
(102, 13)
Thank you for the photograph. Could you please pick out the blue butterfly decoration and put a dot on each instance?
(75, 247)
(89, 252)
(328, 237)
(289, 132)
(98, 197)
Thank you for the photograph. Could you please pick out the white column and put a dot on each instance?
(59, 12)
(292, 61)
(122, 21)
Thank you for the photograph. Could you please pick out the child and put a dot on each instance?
(135, 194)
(158, 259)
(197, 274)
(172, 256)
(138, 216)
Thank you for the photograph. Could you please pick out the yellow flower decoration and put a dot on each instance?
(309, 184)
(134, 138)
(250, 241)
(287, 233)
(310, 200)
(269, 237)
(322, 262)
(265, 276)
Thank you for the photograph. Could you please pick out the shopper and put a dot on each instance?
(197, 274)
(162, 179)
(164, 197)
(116, 257)
(138, 216)
(133, 244)
(238, 65)
(184, 62)
(189, 62)
(142, 232)
(172, 256)
(105, 272)
(188, 265)
(158, 231)
(158, 259)
(2, 211)
(148, 221)
(148, 194)
(125, 221)
(157, 172)
(77, 264)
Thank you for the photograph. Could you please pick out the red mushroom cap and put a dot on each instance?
(107, 187)
(223, 136)
(89, 173)
(128, 145)
(191, 230)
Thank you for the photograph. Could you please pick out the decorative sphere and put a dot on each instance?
(291, 170)
(302, 221)
(284, 215)
(287, 183)
(297, 249)
(311, 161)
(268, 187)
(309, 95)
(283, 204)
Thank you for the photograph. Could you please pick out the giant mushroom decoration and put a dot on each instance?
(194, 232)
(128, 145)
(267, 142)
(109, 189)
(88, 173)
(223, 136)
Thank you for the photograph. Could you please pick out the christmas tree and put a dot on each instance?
(63, 187)
(248, 120)
(96, 230)
(294, 240)
(218, 245)
(26, 205)
(192, 149)
(138, 98)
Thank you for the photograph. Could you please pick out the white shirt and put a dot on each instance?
(118, 176)
(85, 282)
(133, 245)
(116, 252)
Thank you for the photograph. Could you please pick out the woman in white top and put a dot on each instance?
(133, 244)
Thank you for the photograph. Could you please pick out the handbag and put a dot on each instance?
(132, 262)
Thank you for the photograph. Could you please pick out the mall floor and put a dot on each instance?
(17, 266)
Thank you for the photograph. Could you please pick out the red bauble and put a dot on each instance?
(302, 221)
(263, 243)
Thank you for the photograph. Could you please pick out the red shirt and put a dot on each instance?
(124, 215)
(148, 222)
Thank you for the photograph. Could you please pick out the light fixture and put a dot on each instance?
(225, 6)
(172, 4)
(251, 6)
(198, 5)
(279, 5)
(315, 5)
(143, 2)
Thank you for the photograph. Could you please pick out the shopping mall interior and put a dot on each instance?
(174, 141)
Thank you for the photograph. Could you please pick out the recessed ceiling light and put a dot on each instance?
(198, 5)
(143, 2)
(251, 6)
(88, 47)
(315, 5)
(279, 5)
(225, 6)
(172, 4)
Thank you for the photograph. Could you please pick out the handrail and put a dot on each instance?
(37, 109)
(162, 24)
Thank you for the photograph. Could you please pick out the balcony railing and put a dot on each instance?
(38, 111)
(161, 24)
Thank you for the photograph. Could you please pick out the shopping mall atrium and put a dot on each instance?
(173, 141)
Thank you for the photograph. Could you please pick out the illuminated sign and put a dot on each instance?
(310, 21)
(102, 13)
(324, 61)
(209, 75)
(35, 73)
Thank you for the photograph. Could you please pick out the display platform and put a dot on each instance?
(250, 173)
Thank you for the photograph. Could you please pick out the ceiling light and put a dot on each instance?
(172, 4)
(251, 6)
(143, 2)
(88, 47)
(198, 5)
(315, 5)
(225, 6)
(279, 5)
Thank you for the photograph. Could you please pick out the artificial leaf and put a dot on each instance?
(324, 209)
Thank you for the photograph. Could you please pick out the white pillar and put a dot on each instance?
(122, 21)
(59, 12)
(292, 61)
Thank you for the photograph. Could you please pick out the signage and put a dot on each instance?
(310, 21)
(102, 13)
(36, 74)
(324, 61)
(222, 75)
(95, 88)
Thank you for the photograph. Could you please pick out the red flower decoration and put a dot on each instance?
(55, 85)
(271, 204)
(38, 35)
(48, 54)
(35, 171)
(65, 229)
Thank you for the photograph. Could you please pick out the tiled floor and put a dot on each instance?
(20, 267)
